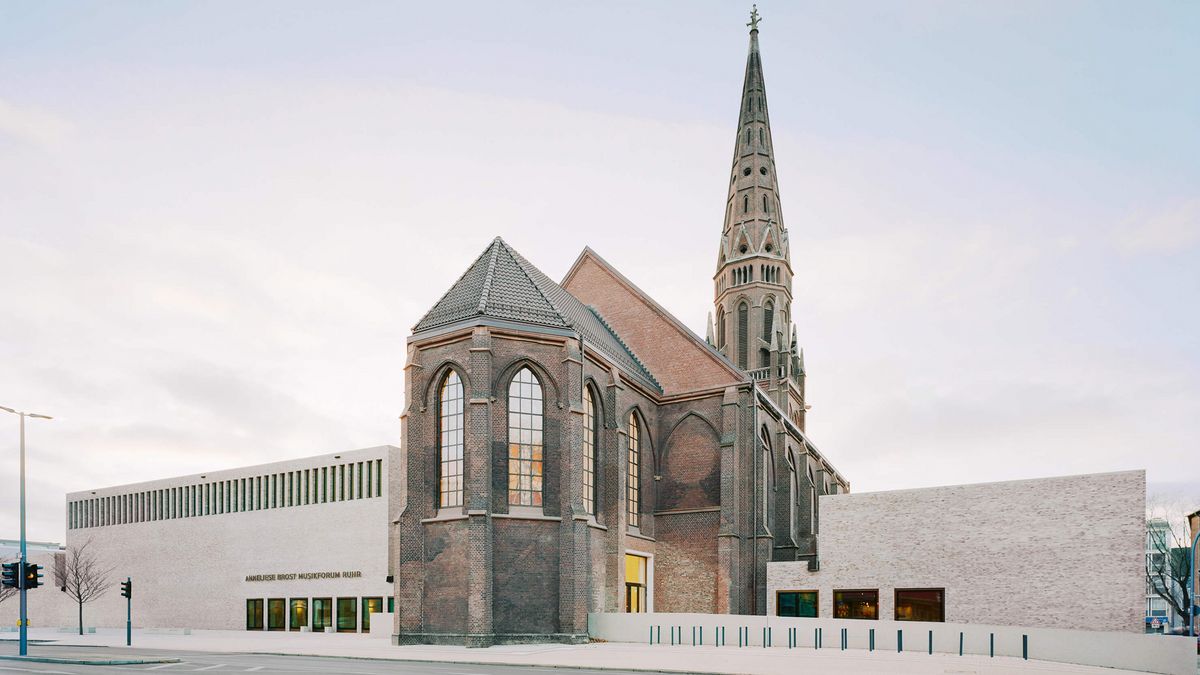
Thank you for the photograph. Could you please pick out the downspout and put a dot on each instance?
(754, 504)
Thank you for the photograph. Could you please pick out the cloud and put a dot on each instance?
(1170, 230)
(34, 126)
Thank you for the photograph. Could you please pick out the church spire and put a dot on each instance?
(753, 282)
(753, 218)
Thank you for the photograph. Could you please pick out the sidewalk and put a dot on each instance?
(617, 656)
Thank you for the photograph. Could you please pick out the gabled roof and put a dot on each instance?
(502, 285)
(681, 360)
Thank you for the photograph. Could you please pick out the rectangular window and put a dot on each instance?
(369, 466)
(322, 613)
(379, 478)
(298, 613)
(370, 606)
(307, 493)
(856, 604)
(290, 490)
(276, 614)
(341, 482)
(359, 480)
(274, 490)
(254, 614)
(796, 603)
(347, 615)
(921, 604)
(324, 484)
(391, 604)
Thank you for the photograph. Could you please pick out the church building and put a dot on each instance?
(572, 447)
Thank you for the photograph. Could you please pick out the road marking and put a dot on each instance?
(214, 667)
(26, 670)
(251, 670)
(165, 665)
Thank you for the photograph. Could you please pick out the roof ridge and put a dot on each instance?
(489, 275)
(521, 263)
(604, 322)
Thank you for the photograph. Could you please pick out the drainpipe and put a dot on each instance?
(754, 503)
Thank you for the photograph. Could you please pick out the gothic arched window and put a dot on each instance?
(743, 319)
(633, 500)
(525, 440)
(450, 441)
(589, 451)
(761, 139)
(721, 328)
(768, 319)
(745, 203)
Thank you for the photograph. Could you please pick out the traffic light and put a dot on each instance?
(12, 575)
(127, 589)
(33, 576)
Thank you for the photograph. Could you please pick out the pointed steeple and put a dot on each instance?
(753, 202)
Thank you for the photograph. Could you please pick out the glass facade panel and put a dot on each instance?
(525, 440)
(322, 613)
(796, 603)
(347, 615)
(298, 613)
(370, 606)
(920, 604)
(254, 614)
(276, 614)
(856, 604)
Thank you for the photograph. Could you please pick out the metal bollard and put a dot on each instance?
(844, 639)
(872, 648)
(960, 643)
(1025, 647)
(658, 634)
(992, 645)
(899, 640)
(931, 642)
(651, 634)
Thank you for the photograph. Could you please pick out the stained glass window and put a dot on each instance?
(525, 440)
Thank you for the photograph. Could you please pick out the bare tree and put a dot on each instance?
(84, 577)
(5, 591)
(1169, 565)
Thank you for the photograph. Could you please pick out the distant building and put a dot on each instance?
(1161, 556)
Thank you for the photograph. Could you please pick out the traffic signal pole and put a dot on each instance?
(129, 613)
(23, 621)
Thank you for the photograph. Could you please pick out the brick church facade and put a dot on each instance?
(571, 447)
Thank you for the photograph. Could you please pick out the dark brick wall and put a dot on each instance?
(445, 577)
(526, 576)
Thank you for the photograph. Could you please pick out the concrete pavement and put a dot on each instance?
(200, 646)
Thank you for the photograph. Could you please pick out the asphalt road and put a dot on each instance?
(209, 662)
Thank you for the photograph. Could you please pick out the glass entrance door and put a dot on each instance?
(299, 613)
(347, 615)
(275, 614)
(635, 583)
(369, 606)
(322, 614)
(254, 614)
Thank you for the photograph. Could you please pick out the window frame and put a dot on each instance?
(633, 472)
(451, 498)
(591, 444)
(896, 603)
(816, 604)
(526, 442)
(836, 591)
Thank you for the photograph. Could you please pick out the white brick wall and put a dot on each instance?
(1063, 552)
(191, 572)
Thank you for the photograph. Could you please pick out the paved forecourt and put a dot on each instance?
(234, 651)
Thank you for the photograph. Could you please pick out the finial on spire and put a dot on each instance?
(754, 18)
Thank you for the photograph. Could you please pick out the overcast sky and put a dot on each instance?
(219, 221)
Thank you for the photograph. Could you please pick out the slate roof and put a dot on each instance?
(501, 284)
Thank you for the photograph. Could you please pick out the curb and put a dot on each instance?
(623, 669)
(88, 662)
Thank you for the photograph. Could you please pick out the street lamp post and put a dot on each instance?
(24, 620)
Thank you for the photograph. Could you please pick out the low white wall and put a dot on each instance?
(1146, 653)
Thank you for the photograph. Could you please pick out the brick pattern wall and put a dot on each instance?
(1064, 552)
